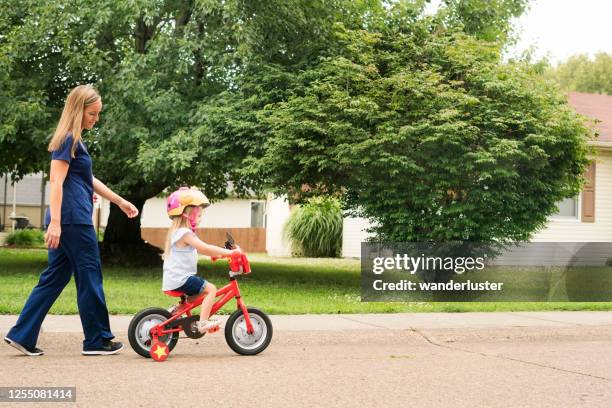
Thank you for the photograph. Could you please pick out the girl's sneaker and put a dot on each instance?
(207, 325)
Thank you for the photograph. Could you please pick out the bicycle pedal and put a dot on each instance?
(216, 329)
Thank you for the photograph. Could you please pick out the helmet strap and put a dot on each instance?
(193, 218)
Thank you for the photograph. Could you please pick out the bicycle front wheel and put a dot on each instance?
(244, 343)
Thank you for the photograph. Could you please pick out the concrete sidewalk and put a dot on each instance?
(395, 321)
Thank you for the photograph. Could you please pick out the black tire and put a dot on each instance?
(137, 343)
(260, 321)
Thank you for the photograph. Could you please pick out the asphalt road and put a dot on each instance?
(531, 366)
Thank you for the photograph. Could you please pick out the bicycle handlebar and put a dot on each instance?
(238, 262)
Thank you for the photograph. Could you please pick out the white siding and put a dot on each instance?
(104, 208)
(154, 214)
(277, 213)
(221, 214)
(29, 190)
(353, 234)
(560, 230)
(228, 214)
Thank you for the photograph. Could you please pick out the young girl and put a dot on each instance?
(184, 208)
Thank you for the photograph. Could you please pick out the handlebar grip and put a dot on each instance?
(238, 262)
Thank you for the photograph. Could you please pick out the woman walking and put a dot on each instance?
(71, 239)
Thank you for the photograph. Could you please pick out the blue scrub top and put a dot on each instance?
(77, 198)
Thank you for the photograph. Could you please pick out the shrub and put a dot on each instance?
(315, 228)
(26, 238)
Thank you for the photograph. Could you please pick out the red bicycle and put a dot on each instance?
(154, 332)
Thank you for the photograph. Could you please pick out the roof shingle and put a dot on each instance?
(595, 106)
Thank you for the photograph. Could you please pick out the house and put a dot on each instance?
(28, 198)
(245, 219)
(256, 224)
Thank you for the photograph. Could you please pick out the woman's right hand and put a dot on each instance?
(52, 236)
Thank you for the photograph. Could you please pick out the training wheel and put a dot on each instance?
(159, 351)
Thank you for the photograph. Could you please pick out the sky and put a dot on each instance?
(560, 28)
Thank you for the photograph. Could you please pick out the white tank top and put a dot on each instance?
(181, 263)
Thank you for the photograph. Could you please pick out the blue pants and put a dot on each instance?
(77, 253)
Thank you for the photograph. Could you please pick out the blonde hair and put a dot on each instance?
(178, 221)
(71, 120)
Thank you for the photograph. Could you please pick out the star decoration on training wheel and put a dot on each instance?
(160, 351)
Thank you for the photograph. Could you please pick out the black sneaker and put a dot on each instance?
(108, 348)
(28, 351)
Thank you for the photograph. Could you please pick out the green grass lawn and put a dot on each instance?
(277, 286)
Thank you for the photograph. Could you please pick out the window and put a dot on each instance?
(258, 213)
(568, 208)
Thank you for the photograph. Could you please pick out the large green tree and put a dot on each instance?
(161, 67)
(424, 130)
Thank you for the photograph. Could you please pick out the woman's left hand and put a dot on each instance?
(128, 208)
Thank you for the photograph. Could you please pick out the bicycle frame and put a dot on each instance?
(229, 291)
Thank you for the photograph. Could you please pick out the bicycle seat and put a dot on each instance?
(174, 293)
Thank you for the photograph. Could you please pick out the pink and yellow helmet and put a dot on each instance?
(184, 197)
